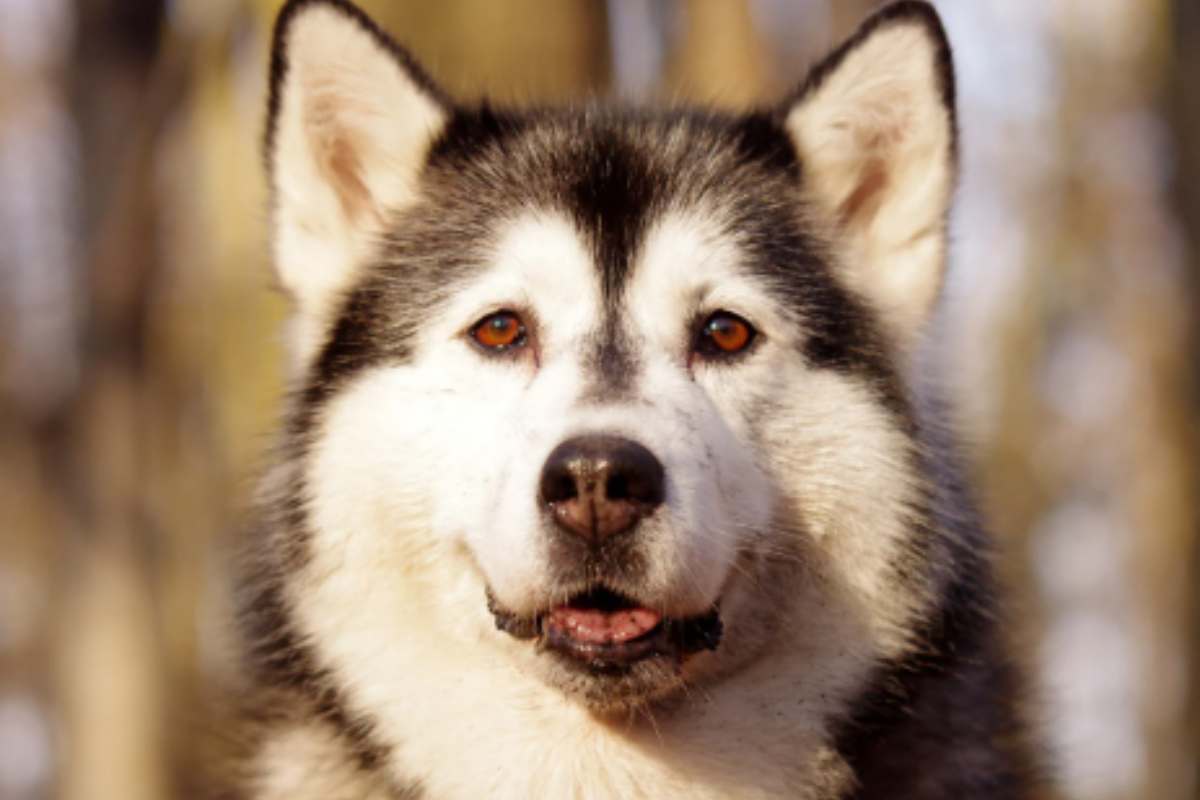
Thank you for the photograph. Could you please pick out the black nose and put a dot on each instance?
(598, 486)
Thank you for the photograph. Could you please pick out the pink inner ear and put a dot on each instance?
(344, 171)
(863, 203)
(336, 155)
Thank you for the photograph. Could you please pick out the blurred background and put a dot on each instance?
(140, 352)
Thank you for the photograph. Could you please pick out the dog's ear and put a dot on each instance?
(874, 125)
(350, 122)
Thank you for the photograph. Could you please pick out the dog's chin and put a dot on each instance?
(609, 651)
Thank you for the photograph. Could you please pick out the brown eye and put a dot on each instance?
(500, 331)
(725, 334)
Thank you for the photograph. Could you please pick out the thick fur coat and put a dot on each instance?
(607, 470)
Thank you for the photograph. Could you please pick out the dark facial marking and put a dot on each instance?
(841, 332)
(612, 362)
(355, 342)
(611, 195)
(759, 138)
(472, 131)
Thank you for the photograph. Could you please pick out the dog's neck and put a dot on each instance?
(461, 733)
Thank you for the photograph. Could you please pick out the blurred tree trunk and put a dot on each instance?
(109, 675)
(1184, 115)
(523, 50)
(720, 59)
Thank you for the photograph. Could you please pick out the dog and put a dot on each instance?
(609, 469)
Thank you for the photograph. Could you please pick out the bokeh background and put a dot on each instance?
(140, 352)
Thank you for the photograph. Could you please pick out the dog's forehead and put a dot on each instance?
(545, 255)
(612, 174)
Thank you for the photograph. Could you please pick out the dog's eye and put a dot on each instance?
(725, 334)
(502, 330)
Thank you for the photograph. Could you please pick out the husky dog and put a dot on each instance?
(607, 472)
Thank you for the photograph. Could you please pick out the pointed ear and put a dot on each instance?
(350, 121)
(875, 130)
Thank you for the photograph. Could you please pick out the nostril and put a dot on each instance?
(617, 488)
(636, 477)
(558, 486)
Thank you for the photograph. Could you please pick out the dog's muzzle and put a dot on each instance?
(596, 489)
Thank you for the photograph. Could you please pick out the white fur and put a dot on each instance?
(426, 480)
(422, 477)
(876, 139)
(832, 449)
(310, 760)
(351, 134)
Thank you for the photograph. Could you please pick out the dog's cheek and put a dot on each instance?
(734, 505)
(499, 523)
(369, 475)
(848, 475)
(486, 480)
(367, 517)
(715, 494)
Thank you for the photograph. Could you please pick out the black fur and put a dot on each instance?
(760, 139)
(607, 169)
(952, 698)
(611, 193)
(278, 658)
(612, 362)
(956, 693)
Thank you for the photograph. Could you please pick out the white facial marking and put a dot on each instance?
(792, 495)
(424, 483)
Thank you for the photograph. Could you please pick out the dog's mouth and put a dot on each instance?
(605, 630)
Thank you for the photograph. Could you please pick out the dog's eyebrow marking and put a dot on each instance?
(612, 192)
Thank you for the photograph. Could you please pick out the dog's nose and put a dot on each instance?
(598, 486)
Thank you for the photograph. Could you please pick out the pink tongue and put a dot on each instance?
(604, 627)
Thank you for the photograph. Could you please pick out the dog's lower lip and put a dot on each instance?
(596, 626)
(639, 633)
(670, 638)
(605, 653)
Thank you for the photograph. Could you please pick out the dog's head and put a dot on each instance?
(615, 396)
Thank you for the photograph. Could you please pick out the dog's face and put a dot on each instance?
(615, 397)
